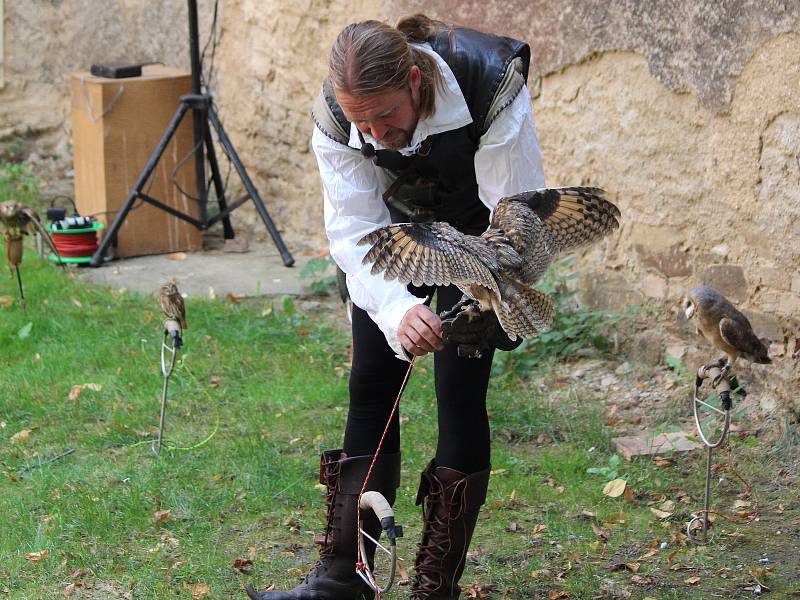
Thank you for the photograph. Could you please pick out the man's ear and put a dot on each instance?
(414, 78)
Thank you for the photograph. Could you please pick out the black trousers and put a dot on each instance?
(461, 384)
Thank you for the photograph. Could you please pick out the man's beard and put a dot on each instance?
(397, 138)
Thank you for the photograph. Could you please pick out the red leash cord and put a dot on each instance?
(360, 565)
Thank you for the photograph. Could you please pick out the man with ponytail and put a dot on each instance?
(419, 122)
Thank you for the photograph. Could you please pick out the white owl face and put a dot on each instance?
(689, 308)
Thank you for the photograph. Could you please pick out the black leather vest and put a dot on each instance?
(439, 183)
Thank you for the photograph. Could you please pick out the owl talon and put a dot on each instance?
(723, 374)
(465, 304)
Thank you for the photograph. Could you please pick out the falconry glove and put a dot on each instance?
(475, 333)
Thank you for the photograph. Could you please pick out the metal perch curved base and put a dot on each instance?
(169, 351)
(721, 383)
(377, 503)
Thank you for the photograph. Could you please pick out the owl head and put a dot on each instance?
(169, 287)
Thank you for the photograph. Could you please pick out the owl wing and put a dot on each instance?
(35, 225)
(431, 254)
(526, 312)
(180, 307)
(738, 334)
(572, 216)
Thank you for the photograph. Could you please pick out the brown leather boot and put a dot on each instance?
(334, 577)
(452, 503)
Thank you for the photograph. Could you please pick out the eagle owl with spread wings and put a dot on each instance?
(497, 269)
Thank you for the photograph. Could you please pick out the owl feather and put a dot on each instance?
(499, 267)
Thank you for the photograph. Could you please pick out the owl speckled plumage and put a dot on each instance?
(499, 268)
(171, 303)
(726, 328)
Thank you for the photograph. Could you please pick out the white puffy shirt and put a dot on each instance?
(508, 161)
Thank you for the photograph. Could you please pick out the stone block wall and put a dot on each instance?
(687, 113)
(272, 60)
(47, 40)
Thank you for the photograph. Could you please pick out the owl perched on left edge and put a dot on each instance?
(171, 303)
(499, 268)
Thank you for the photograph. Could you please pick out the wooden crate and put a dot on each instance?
(116, 125)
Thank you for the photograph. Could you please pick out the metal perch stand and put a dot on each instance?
(169, 351)
(14, 255)
(721, 384)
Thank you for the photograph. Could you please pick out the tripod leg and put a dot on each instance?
(218, 187)
(110, 236)
(200, 128)
(251, 190)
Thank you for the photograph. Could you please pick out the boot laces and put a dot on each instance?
(325, 544)
(436, 540)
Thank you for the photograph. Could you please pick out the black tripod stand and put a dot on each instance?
(203, 113)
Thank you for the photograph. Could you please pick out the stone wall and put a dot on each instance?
(47, 40)
(272, 60)
(686, 112)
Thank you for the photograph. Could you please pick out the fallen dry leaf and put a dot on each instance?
(557, 594)
(177, 256)
(37, 557)
(692, 580)
(75, 391)
(660, 461)
(21, 437)
(661, 514)
(76, 302)
(640, 580)
(233, 297)
(649, 554)
(402, 574)
(632, 567)
(615, 488)
(78, 573)
(160, 516)
(200, 590)
(243, 565)
(6, 300)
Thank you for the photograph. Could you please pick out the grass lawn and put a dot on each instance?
(259, 391)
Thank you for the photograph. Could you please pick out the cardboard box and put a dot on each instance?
(116, 125)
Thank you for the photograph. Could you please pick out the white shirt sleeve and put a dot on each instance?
(509, 158)
(353, 207)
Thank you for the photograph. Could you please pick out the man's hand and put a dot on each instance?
(420, 331)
